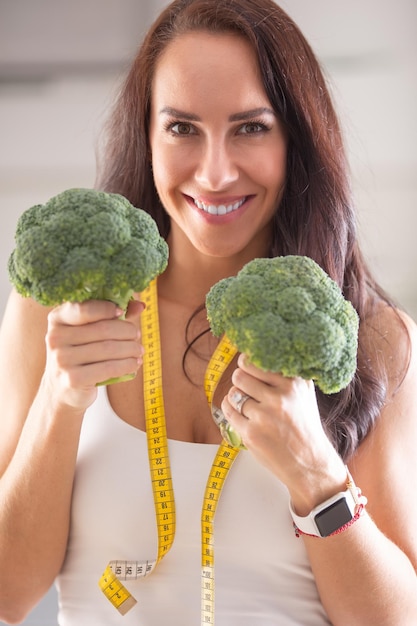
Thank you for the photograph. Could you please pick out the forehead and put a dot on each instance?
(201, 66)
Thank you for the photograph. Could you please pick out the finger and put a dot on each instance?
(238, 421)
(60, 335)
(88, 375)
(134, 309)
(90, 363)
(273, 379)
(246, 366)
(248, 384)
(238, 400)
(78, 324)
(76, 313)
(103, 351)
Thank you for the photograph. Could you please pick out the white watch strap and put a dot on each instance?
(308, 525)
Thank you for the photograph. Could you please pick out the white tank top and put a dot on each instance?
(262, 574)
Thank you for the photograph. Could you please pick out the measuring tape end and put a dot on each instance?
(128, 604)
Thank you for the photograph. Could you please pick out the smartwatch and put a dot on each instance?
(328, 517)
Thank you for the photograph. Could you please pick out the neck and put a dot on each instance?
(190, 283)
(190, 273)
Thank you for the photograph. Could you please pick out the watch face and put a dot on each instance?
(333, 517)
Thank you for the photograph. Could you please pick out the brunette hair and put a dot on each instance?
(315, 216)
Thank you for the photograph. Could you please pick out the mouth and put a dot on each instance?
(219, 209)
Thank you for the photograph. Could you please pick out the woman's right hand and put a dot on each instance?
(86, 344)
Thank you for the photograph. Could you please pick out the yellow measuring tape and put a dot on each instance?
(222, 463)
(116, 571)
(163, 493)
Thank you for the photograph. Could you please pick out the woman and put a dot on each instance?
(224, 131)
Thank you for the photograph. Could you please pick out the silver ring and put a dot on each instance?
(239, 400)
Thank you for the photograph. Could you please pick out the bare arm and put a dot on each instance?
(46, 387)
(366, 574)
(374, 564)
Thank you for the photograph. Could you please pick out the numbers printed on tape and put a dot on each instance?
(155, 424)
(220, 360)
(110, 582)
(116, 592)
(116, 571)
(222, 463)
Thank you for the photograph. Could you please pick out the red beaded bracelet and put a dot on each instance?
(358, 514)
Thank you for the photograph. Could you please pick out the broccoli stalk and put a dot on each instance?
(85, 244)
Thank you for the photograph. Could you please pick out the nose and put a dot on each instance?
(217, 168)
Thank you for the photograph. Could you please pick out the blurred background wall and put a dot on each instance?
(61, 62)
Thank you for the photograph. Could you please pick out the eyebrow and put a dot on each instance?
(236, 117)
(247, 115)
(180, 114)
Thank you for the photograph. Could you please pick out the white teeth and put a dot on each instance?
(221, 209)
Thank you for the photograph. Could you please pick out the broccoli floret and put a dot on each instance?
(287, 315)
(85, 244)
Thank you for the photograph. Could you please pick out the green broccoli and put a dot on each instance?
(85, 244)
(287, 315)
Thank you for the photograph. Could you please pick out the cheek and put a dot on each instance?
(164, 176)
(268, 166)
(169, 170)
(276, 172)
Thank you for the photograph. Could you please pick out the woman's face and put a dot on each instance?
(218, 149)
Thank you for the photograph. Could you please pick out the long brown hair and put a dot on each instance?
(315, 216)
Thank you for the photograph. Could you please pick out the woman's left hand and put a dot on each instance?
(280, 425)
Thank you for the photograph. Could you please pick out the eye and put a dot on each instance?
(182, 128)
(252, 128)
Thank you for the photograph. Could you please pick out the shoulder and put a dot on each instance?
(22, 360)
(22, 346)
(24, 317)
(384, 464)
(389, 337)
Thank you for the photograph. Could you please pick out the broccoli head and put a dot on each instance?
(85, 244)
(287, 315)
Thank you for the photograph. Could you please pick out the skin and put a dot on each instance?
(206, 147)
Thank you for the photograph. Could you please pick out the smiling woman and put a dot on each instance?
(224, 132)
